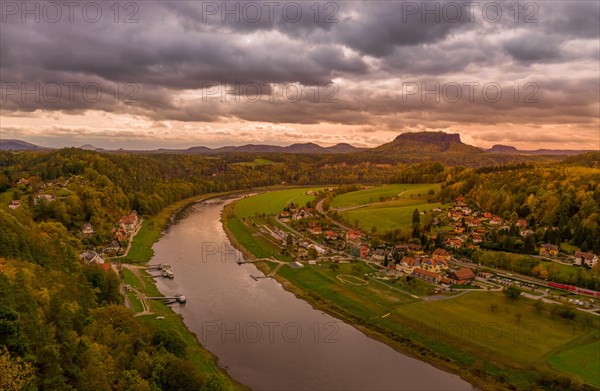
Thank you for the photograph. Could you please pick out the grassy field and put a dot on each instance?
(509, 342)
(368, 196)
(256, 245)
(257, 162)
(514, 331)
(568, 248)
(582, 360)
(387, 216)
(272, 202)
(365, 301)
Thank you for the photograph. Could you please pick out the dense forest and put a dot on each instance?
(62, 324)
(560, 202)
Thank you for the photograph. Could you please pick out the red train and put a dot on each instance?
(574, 289)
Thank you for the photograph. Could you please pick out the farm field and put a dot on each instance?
(464, 328)
(388, 216)
(582, 360)
(272, 202)
(371, 195)
(368, 301)
(257, 162)
(513, 333)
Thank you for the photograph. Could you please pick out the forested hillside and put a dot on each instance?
(560, 202)
(62, 321)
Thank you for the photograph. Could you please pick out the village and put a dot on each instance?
(44, 195)
(311, 236)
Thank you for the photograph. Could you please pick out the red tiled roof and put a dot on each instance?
(426, 273)
(464, 274)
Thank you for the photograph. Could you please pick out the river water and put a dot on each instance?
(264, 336)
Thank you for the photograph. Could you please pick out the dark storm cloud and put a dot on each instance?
(378, 28)
(533, 47)
(176, 47)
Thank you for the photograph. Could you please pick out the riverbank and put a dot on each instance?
(159, 316)
(397, 342)
(506, 364)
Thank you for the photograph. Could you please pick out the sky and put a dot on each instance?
(144, 75)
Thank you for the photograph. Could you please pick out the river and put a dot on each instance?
(264, 336)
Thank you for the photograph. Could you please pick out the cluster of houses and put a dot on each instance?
(295, 214)
(580, 258)
(434, 269)
(406, 258)
(126, 227)
(472, 225)
(123, 230)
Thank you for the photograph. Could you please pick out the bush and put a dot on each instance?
(170, 341)
(512, 292)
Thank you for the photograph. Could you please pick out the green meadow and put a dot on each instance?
(388, 216)
(374, 194)
(272, 202)
(512, 340)
(581, 360)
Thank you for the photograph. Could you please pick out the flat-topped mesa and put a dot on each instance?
(430, 137)
(499, 148)
(424, 143)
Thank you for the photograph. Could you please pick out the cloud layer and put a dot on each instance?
(362, 70)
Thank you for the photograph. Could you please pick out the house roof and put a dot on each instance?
(586, 256)
(464, 274)
(410, 261)
(131, 219)
(426, 273)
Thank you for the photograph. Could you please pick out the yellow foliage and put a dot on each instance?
(14, 373)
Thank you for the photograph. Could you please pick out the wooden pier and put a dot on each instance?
(181, 299)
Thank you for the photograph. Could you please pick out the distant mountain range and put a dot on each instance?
(425, 143)
(18, 145)
(261, 148)
(510, 150)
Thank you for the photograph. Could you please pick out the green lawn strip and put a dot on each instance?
(568, 248)
(582, 360)
(136, 304)
(7, 196)
(129, 278)
(200, 357)
(257, 162)
(257, 245)
(371, 195)
(365, 301)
